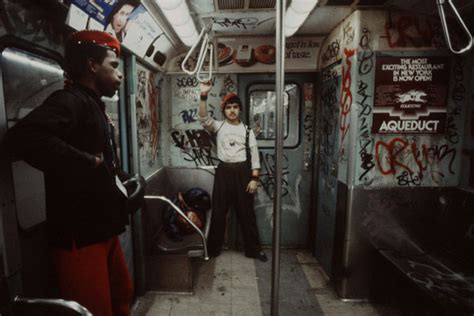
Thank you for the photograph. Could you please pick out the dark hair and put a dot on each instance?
(76, 57)
(118, 6)
(232, 100)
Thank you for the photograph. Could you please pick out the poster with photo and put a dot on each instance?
(146, 102)
(142, 31)
(80, 11)
(410, 94)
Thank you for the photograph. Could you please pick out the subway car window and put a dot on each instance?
(262, 113)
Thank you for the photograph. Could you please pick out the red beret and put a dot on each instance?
(229, 96)
(96, 37)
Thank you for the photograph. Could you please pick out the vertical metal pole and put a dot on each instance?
(280, 84)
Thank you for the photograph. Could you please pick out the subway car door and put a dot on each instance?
(258, 94)
(28, 77)
(328, 165)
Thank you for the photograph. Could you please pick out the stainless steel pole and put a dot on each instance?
(280, 84)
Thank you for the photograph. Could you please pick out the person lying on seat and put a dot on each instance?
(195, 202)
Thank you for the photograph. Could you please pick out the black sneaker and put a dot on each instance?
(261, 256)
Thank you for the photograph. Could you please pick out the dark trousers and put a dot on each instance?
(230, 183)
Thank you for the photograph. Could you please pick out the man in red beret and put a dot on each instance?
(88, 197)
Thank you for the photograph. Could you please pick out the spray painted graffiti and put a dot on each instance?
(329, 104)
(146, 102)
(458, 97)
(153, 108)
(413, 31)
(264, 202)
(189, 116)
(364, 103)
(366, 54)
(348, 34)
(267, 174)
(346, 101)
(184, 82)
(196, 146)
(240, 23)
(366, 141)
(407, 155)
(332, 51)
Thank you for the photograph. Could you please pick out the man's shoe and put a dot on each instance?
(261, 256)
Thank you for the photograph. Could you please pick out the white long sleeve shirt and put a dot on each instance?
(231, 141)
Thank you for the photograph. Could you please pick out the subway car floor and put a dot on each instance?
(232, 284)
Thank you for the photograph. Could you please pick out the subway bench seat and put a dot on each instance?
(168, 263)
(428, 234)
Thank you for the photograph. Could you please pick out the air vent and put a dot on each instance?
(230, 4)
(262, 4)
(244, 4)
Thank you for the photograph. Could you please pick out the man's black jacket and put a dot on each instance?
(62, 137)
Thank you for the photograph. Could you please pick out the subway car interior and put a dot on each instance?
(361, 211)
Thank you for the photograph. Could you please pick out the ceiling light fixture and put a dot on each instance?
(296, 14)
(177, 14)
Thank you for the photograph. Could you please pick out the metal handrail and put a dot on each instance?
(446, 30)
(71, 305)
(181, 213)
(205, 47)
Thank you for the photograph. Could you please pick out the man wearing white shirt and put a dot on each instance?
(236, 176)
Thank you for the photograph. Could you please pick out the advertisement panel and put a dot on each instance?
(259, 54)
(410, 95)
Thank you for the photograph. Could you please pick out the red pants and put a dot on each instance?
(95, 276)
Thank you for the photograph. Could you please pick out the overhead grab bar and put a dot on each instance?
(445, 26)
(205, 47)
(210, 48)
(181, 213)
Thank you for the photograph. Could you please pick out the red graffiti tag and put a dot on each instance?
(400, 155)
(397, 153)
(153, 108)
(411, 31)
(346, 98)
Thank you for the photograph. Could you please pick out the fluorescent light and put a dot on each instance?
(296, 14)
(177, 14)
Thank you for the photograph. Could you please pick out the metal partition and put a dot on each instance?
(27, 79)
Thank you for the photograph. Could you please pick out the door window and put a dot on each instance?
(262, 114)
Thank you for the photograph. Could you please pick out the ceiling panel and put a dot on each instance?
(324, 18)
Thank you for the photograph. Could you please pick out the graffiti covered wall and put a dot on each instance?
(396, 159)
(467, 177)
(146, 102)
(190, 145)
